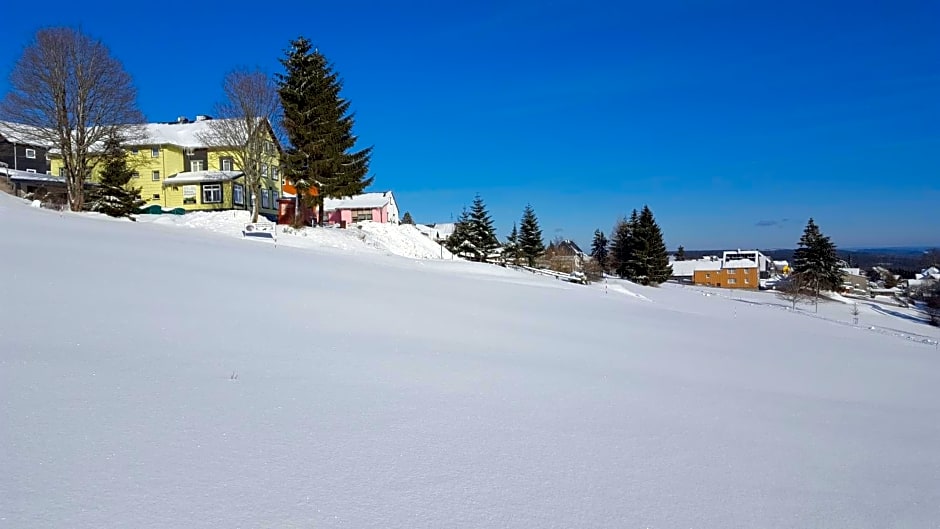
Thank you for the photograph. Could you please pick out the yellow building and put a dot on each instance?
(175, 168)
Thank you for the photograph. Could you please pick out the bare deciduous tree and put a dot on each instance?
(67, 91)
(794, 289)
(244, 126)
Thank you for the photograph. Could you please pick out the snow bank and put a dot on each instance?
(367, 237)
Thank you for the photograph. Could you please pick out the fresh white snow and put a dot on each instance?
(378, 391)
(366, 237)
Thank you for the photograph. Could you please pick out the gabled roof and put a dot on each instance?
(24, 134)
(198, 177)
(363, 201)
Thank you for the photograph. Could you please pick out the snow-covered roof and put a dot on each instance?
(363, 201)
(740, 263)
(688, 268)
(181, 134)
(781, 264)
(24, 134)
(15, 174)
(853, 271)
(197, 177)
(929, 273)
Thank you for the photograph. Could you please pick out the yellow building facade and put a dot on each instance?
(175, 169)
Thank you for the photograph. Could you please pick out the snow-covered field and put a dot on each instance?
(378, 391)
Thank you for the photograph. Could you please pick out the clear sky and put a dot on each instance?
(734, 121)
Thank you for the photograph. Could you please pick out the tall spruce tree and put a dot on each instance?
(319, 129)
(112, 196)
(531, 245)
(654, 257)
(816, 260)
(480, 229)
(511, 250)
(600, 250)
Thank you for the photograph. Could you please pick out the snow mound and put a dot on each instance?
(405, 240)
(367, 237)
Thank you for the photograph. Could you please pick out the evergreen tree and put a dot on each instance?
(511, 251)
(112, 196)
(319, 129)
(816, 260)
(680, 253)
(599, 250)
(620, 247)
(481, 232)
(654, 258)
(406, 219)
(459, 241)
(531, 245)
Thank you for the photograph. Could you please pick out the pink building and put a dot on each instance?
(377, 207)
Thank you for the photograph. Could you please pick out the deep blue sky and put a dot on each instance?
(734, 121)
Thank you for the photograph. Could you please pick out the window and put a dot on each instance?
(156, 196)
(30, 170)
(732, 281)
(274, 172)
(747, 281)
(135, 174)
(238, 194)
(155, 176)
(732, 271)
(212, 194)
(135, 150)
(61, 172)
(264, 169)
(360, 215)
(226, 164)
(264, 198)
(31, 154)
(155, 152)
(195, 165)
(273, 198)
(708, 276)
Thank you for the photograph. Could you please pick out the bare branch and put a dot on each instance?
(69, 94)
(243, 125)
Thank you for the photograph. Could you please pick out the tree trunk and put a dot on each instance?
(75, 193)
(321, 215)
(254, 206)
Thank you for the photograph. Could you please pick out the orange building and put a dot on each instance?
(735, 277)
(737, 269)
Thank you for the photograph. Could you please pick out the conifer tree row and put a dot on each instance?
(637, 250)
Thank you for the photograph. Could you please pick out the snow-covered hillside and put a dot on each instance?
(376, 391)
(369, 237)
